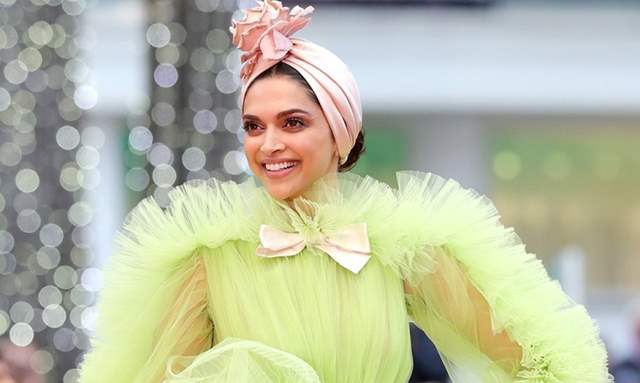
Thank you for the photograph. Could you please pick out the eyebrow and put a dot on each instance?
(279, 115)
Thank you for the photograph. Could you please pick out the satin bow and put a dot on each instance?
(349, 247)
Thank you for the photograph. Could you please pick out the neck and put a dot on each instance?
(319, 191)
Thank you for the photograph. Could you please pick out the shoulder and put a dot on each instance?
(419, 199)
(442, 209)
(429, 211)
(199, 213)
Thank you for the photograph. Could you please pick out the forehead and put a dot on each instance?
(273, 94)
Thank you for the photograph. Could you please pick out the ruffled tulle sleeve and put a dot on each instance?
(488, 305)
(153, 305)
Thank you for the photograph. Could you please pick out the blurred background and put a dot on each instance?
(534, 103)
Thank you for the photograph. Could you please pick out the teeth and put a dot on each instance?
(279, 165)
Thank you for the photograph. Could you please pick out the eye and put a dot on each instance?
(250, 127)
(294, 123)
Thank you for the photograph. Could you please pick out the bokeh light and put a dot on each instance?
(47, 155)
(51, 156)
(195, 78)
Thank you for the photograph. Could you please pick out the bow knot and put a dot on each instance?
(349, 247)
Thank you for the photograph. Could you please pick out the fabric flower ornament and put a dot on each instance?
(265, 32)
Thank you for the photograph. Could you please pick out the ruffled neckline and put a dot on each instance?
(350, 199)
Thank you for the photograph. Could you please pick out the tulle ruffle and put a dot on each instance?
(240, 361)
(559, 341)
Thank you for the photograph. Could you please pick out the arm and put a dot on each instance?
(488, 305)
(154, 304)
(463, 309)
(185, 329)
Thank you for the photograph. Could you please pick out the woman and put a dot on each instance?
(313, 276)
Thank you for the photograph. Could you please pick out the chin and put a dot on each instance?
(283, 192)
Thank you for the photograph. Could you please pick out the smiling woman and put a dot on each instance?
(314, 276)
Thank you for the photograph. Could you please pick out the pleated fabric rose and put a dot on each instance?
(265, 31)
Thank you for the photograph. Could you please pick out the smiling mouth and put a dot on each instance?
(280, 168)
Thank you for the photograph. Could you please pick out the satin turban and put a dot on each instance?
(264, 36)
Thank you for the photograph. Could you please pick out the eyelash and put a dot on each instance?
(248, 126)
(299, 122)
(251, 126)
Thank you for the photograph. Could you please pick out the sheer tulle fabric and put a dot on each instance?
(187, 299)
(237, 360)
(349, 327)
(450, 309)
(486, 294)
(157, 308)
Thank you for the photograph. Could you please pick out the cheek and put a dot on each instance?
(251, 147)
(317, 151)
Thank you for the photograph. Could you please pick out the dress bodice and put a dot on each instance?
(348, 327)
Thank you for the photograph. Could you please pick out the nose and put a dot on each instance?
(272, 142)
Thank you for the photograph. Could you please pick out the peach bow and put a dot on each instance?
(349, 247)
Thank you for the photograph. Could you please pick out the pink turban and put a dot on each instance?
(264, 37)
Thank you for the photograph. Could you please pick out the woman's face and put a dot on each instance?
(287, 141)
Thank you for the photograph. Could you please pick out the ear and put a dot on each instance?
(335, 157)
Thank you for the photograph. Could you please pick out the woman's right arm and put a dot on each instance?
(154, 303)
(186, 328)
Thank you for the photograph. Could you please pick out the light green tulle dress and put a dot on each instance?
(187, 299)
